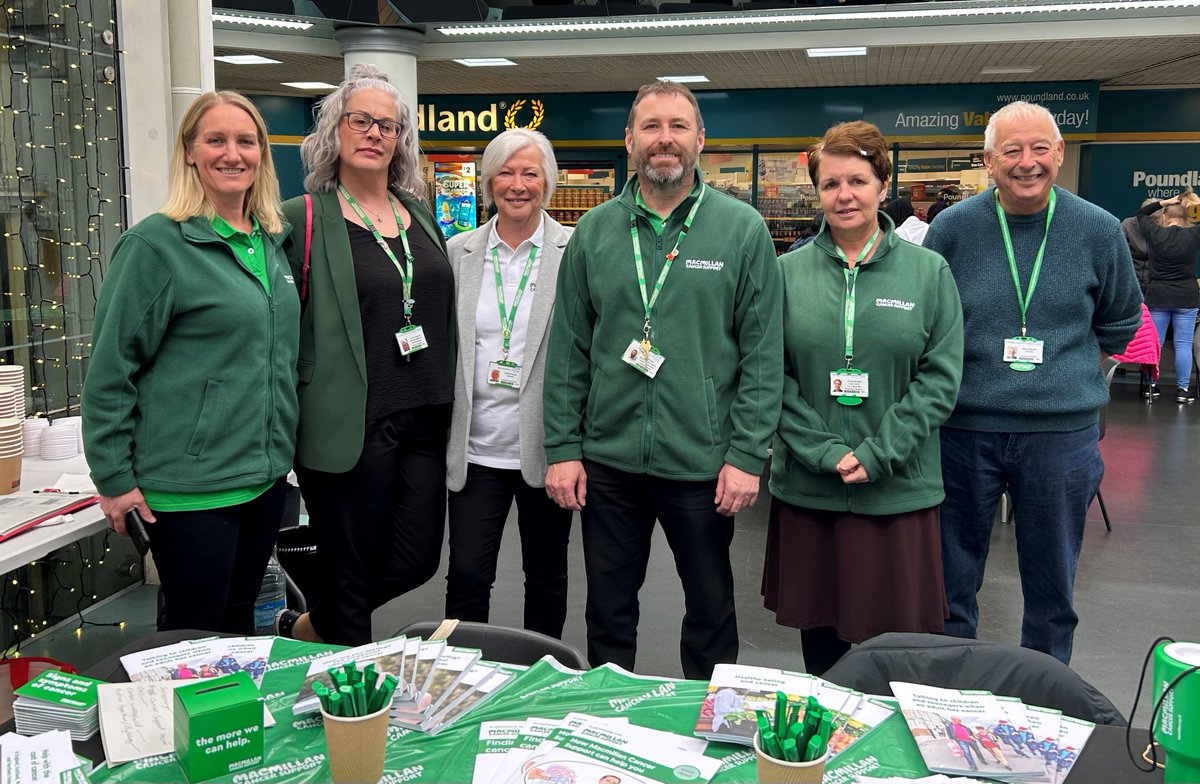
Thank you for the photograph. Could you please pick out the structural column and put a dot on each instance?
(393, 50)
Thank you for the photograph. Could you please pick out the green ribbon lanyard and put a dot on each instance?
(406, 273)
(851, 274)
(507, 321)
(1023, 299)
(648, 302)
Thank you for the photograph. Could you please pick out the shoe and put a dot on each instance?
(1149, 391)
(1183, 396)
(285, 619)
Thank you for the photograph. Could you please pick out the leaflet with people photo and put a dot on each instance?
(1073, 735)
(209, 657)
(386, 655)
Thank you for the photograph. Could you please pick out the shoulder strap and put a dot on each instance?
(307, 247)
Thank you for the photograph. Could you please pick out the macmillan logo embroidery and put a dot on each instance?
(704, 264)
(899, 304)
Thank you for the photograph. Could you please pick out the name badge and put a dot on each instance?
(1023, 354)
(411, 339)
(644, 360)
(503, 373)
(849, 386)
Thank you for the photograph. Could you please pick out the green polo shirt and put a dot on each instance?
(657, 221)
(248, 248)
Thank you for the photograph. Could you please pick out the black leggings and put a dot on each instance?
(822, 648)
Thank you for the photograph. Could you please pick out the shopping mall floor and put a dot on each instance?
(1137, 583)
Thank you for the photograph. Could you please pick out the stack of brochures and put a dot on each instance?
(439, 683)
(976, 733)
(737, 692)
(42, 758)
(57, 700)
(583, 748)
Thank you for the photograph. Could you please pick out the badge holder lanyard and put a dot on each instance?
(410, 337)
(648, 358)
(503, 372)
(1024, 353)
(848, 383)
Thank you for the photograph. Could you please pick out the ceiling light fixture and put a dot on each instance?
(837, 51)
(246, 59)
(484, 62)
(744, 19)
(310, 85)
(264, 21)
(696, 79)
(1009, 69)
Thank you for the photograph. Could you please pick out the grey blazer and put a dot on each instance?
(468, 259)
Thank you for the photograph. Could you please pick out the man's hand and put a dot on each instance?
(851, 470)
(115, 507)
(736, 490)
(566, 484)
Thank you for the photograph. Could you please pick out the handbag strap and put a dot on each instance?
(308, 223)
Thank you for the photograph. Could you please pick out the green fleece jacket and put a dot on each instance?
(715, 399)
(191, 385)
(908, 338)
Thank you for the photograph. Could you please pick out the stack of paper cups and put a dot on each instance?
(33, 428)
(12, 402)
(60, 441)
(76, 423)
(12, 444)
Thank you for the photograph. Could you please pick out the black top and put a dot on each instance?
(1172, 251)
(394, 382)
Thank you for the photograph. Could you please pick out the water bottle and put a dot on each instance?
(271, 599)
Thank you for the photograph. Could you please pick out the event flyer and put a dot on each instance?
(210, 657)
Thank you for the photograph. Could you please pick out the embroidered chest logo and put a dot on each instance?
(899, 304)
(704, 264)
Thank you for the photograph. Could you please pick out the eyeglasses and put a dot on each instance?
(361, 122)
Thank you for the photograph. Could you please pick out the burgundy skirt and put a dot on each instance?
(861, 574)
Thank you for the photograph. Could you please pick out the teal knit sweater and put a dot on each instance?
(1087, 301)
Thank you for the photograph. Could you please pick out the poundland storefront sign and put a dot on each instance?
(496, 117)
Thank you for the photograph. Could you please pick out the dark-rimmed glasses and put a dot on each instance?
(361, 122)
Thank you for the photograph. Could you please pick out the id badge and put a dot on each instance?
(1023, 354)
(411, 339)
(646, 361)
(849, 386)
(503, 373)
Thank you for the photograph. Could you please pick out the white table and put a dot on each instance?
(43, 539)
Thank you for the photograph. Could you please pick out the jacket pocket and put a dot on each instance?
(206, 421)
(710, 398)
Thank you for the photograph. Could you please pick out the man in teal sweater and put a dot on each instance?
(663, 383)
(1047, 287)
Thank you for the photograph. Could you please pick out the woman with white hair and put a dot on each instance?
(506, 272)
(377, 348)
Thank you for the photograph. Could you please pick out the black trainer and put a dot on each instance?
(1183, 396)
(285, 619)
(1149, 391)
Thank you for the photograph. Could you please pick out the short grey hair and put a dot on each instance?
(320, 151)
(1017, 110)
(505, 146)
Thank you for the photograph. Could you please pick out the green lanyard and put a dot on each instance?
(406, 273)
(648, 302)
(851, 274)
(507, 321)
(1023, 299)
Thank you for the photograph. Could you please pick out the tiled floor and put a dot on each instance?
(1135, 584)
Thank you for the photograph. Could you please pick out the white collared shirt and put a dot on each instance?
(495, 420)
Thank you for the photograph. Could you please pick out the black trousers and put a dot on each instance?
(477, 515)
(211, 562)
(618, 521)
(379, 526)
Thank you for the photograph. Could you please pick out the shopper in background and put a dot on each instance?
(1048, 275)
(496, 454)
(946, 197)
(1172, 242)
(377, 352)
(872, 331)
(1137, 247)
(189, 404)
(908, 225)
(662, 391)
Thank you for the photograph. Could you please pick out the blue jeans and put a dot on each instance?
(1052, 479)
(1184, 321)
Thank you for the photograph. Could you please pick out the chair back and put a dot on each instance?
(957, 663)
(504, 643)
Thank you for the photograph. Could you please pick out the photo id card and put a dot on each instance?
(646, 362)
(1023, 353)
(849, 383)
(411, 339)
(503, 373)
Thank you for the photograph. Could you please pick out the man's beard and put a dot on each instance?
(659, 176)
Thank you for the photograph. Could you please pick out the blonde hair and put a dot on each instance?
(187, 198)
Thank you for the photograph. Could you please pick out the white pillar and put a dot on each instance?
(191, 53)
(393, 50)
(148, 123)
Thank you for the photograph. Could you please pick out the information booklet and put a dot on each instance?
(386, 655)
(489, 687)
(736, 691)
(448, 670)
(43, 759)
(535, 732)
(210, 657)
(58, 700)
(495, 740)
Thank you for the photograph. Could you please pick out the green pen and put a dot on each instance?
(789, 751)
(814, 750)
(335, 704)
(763, 725)
(383, 696)
(370, 676)
(773, 748)
(781, 707)
(360, 698)
(796, 731)
(322, 695)
(337, 677)
(348, 708)
(352, 673)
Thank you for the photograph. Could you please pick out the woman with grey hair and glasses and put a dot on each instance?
(376, 366)
(506, 272)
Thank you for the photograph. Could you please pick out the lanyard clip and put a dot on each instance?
(646, 329)
(1022, 330)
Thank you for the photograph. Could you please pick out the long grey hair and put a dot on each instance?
(320, 150)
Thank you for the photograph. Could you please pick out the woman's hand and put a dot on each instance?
(851, 470)
(115, 507)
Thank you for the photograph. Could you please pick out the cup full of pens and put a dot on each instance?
(355, 711)
(792, 746)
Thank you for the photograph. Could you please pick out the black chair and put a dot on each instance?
(503, 643)
(957, 663)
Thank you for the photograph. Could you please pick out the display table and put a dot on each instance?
(40, 540)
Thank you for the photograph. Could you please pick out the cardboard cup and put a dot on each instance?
(10, 474)
(355, 746)
(774, 771)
